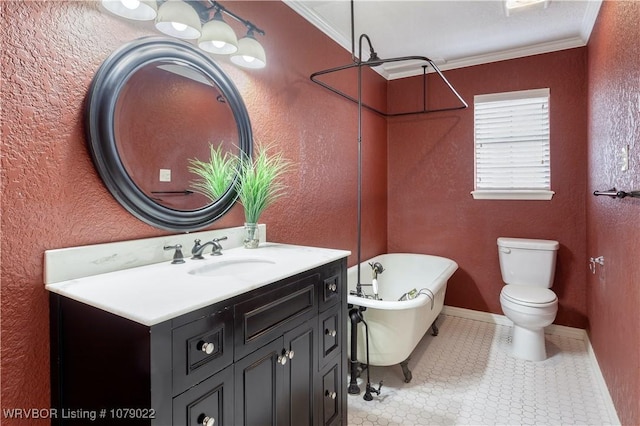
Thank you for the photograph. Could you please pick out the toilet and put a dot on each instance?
(528, 267)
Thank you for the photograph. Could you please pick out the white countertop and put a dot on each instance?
(155, 293)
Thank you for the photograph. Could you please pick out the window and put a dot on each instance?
(512, 158)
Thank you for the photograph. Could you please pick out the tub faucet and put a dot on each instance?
(376, 268)
(198, 249)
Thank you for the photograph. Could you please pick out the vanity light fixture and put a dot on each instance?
(193, 20)
(177, 19)
(250, 52)
(139, 10)
(218, 37)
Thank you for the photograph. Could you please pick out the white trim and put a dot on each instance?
(512, 96)
(476, 315)
(589, 19)
(519, 194)
(555, 329)
(602, 384)
(520, 52)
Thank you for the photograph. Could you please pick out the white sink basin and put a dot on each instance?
(232, 267)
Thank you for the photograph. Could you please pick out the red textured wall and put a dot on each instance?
(53, 198)
(431, 177)
(613, 228)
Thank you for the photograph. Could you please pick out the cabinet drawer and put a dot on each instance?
(201, 348)
(329, 396)
(329, 334)
(332, 286)
(210, 402)
(266, 317)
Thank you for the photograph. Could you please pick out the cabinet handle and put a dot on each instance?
(332, 287)
(206, 347)
(331, 395)
(331, 333)
(282, 359)
(205, 420)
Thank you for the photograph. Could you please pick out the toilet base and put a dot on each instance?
(528, 344)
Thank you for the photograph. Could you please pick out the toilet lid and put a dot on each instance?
(528, 295)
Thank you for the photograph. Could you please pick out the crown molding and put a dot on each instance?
(589, 20)
(554, 46)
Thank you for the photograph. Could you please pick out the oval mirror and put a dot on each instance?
(154, 106)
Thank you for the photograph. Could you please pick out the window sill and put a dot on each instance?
(512, 195)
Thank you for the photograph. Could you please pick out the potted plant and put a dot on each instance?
(258, 183)
(258, 186)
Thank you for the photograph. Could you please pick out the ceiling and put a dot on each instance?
(452, 33)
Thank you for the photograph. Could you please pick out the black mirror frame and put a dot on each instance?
(103, 95)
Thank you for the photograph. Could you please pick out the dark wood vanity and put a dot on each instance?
(275, 355)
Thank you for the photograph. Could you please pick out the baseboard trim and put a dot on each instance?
(602, 384)
(558, 330)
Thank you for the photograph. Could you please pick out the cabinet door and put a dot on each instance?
(208, 403)
(259, 386)
(302, 364)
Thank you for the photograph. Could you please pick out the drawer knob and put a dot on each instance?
(208, 421)
(331, 333)
(332, 287)
(206, 347)
(331, 395)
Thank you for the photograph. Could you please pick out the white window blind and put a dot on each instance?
(512, 145)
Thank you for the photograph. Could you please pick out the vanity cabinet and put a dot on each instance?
(271, 356)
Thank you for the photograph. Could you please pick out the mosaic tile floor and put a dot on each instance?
(465, 376)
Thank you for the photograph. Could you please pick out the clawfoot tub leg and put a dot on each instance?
(434, 328)
(405, 370)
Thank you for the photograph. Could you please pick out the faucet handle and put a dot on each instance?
(178, 257)
(217, 248)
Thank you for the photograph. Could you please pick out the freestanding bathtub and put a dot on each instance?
(396, 326)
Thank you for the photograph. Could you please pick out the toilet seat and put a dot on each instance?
(529, 296)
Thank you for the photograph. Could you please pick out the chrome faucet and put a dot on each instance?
(198, 249)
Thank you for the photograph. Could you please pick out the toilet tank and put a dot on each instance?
(527, 261)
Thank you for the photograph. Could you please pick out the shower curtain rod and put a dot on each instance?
(375, 62)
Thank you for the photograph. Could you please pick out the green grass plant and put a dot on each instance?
(215, 175)
(260, 182)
